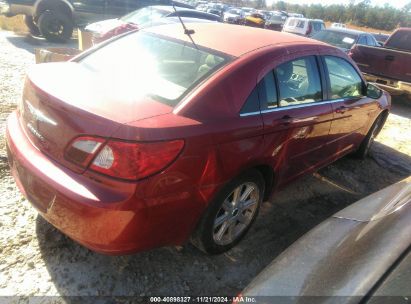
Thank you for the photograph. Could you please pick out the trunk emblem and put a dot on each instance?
(39, 116)
(35, 132)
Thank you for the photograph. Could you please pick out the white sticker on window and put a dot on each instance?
(348, 40)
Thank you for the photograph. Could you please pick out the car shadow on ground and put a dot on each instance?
(291, 212)
(401, 106)
(30, 43)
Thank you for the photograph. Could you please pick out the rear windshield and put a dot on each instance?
(338, 39)
(401, 40)
(143, 64)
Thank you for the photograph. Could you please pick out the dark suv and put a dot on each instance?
(55, 19)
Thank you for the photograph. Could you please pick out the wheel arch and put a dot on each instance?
(60, 5)
(268, 175)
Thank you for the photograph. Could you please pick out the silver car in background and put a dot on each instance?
(360, 255)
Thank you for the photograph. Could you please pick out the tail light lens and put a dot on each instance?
(125, 160)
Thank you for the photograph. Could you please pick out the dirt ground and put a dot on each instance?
(35, 259)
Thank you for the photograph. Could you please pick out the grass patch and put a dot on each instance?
(15, 24)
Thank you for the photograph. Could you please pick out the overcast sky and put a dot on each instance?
(396, 3)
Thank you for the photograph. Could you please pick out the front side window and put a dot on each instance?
(299, 82)
(142, 64)
(344, 79)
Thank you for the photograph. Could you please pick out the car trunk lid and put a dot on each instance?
(62, 101)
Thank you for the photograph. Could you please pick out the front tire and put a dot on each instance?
(55, 26)
(366, 144)
(231, 214)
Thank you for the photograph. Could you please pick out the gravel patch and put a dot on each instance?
(35, 259)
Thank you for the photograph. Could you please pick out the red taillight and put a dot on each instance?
(125, 160)
(310, 29)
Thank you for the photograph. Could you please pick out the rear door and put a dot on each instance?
(296, 118)
(352, 110)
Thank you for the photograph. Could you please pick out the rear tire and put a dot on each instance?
(33, 28)
(230, 215)
(366, 144)
(55, 26)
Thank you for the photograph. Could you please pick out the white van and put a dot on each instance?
(303, 26)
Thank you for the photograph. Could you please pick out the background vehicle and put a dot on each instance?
(360, 255)
(165, 130)
(248, 10)
(389, 66)
(345, 39)
(142, 18)
(55, 20)
(275, 22)
(234, 15)
(381, 38)
(255, 19)
(338, 25)
(303, 26)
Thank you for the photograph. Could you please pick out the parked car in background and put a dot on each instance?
(345, 39)
(234, 15)
(255, 19)
(389, 66)
(142, 18)
(55, 20)
(338, 25)
(248, 10)
(215, 11)
(303, 26)
(360, 255)
(275, 22)
(115, 145)
(296, 15)
(381, 38)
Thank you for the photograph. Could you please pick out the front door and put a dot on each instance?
(351, 109)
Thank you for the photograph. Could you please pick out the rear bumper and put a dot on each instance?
(111, 220)
(394, 87)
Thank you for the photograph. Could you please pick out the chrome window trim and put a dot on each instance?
(250, 114)
(297, 106)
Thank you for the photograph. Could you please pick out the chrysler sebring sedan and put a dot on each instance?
(158, 137)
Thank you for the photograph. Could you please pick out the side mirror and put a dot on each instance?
(373, 91)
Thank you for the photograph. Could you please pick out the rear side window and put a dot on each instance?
(299, 82)
(252, 104)
(318, 26)
(344, 79)
(301, 24)
(268, 92)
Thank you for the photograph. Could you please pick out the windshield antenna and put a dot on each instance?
(187, 31)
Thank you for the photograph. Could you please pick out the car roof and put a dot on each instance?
(345, 30)
(229, 39)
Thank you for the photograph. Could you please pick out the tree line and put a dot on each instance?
(362, 13)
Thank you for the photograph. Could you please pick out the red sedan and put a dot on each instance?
(157, 137)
